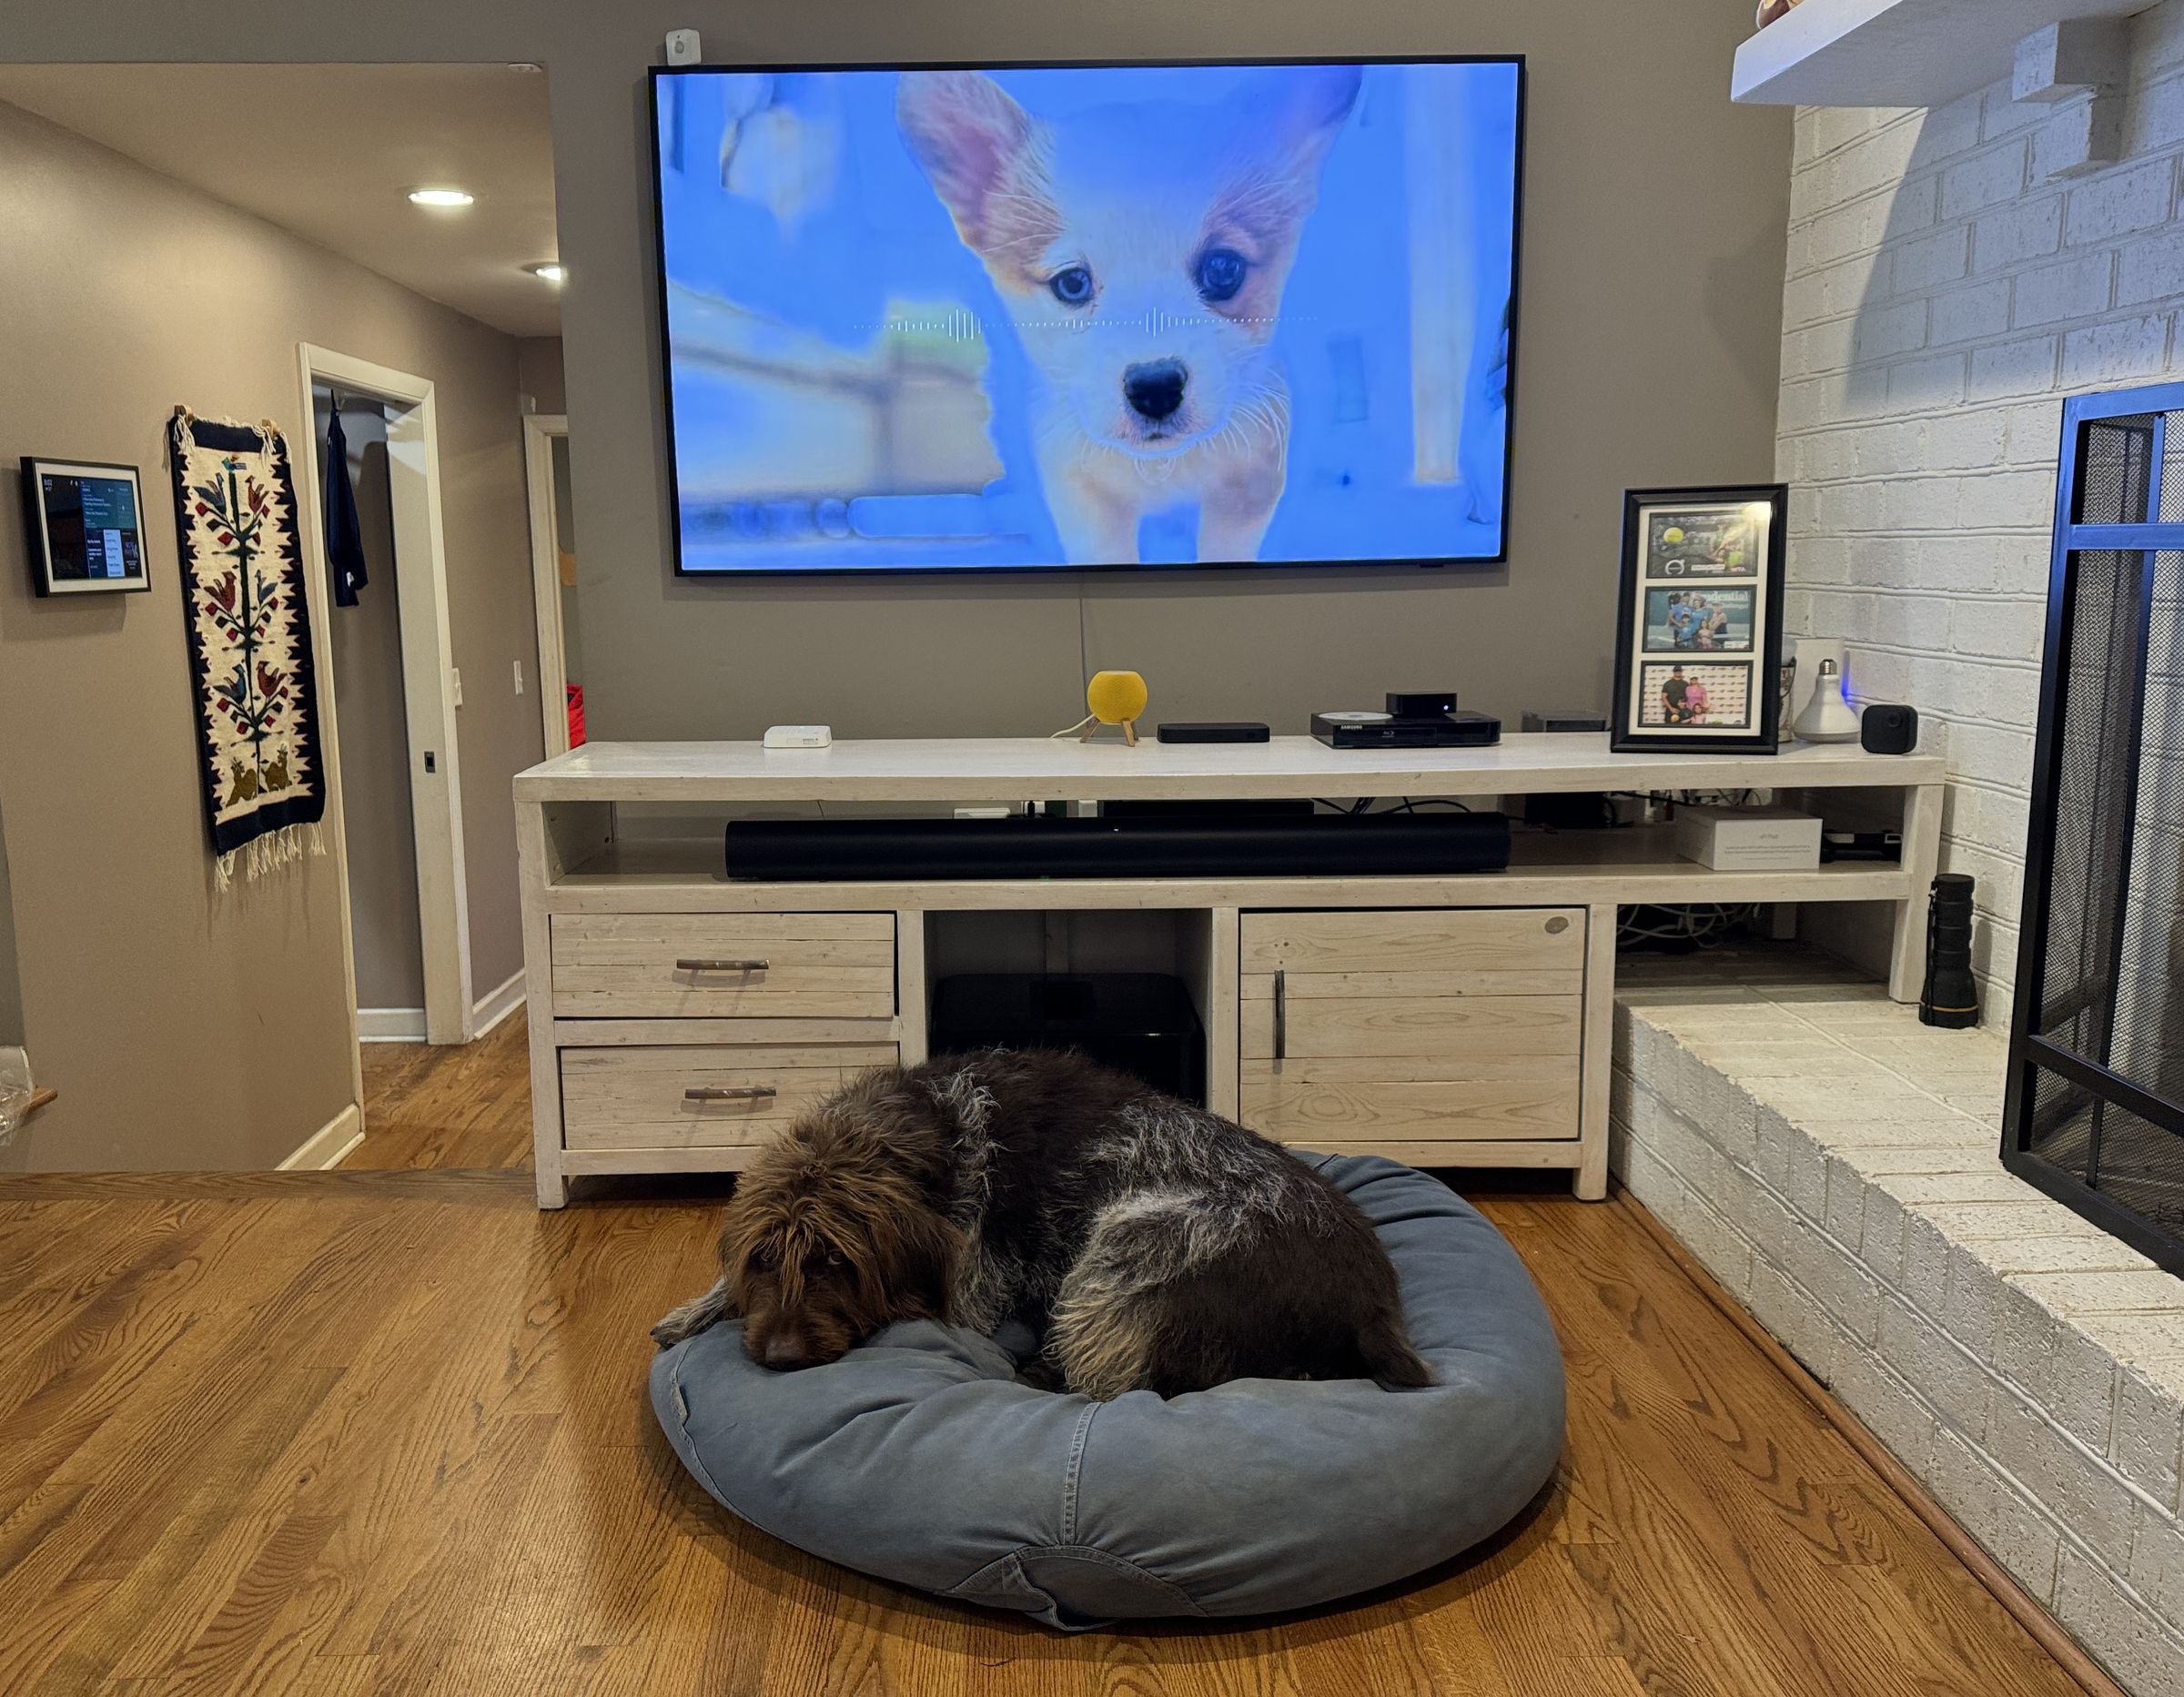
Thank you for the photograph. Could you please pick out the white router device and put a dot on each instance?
(799, 736)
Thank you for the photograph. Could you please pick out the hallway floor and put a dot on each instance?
(383, 1430)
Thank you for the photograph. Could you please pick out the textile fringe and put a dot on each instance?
(266, 854)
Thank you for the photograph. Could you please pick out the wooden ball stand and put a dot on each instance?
(1114, 698)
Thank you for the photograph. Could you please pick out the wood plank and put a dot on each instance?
(1532, 1154)
(653, 993)
(1418, 1110)
(1305, 986)
(1014, 769)
(593, 1033)
(1429, 1025)
(1454, 940)
(1544, 871)
(698, 931)
(1603, 925)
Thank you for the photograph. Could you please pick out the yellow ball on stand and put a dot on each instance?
(1114, 698)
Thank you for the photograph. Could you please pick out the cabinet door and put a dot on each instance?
(1412, 1027)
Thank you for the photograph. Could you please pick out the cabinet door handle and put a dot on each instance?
(1281, 1014)
(730, 1093)
(725, 965)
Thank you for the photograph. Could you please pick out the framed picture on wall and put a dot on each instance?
(87, 528)
(1698, 622)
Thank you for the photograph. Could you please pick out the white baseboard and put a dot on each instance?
(497, 1005)
(390, 1024)
(329, 1144)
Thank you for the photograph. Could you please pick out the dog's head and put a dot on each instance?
(1141, 248)
(832, 1234)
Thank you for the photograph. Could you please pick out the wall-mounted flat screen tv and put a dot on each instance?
(1020, 317)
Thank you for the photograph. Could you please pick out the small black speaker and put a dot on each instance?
(1887, 727)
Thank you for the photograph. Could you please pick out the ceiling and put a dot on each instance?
(330, 152)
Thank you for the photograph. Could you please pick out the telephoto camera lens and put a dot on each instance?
(1951, 996)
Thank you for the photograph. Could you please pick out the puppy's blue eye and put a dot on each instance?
(1220, 273)
(1072, 286)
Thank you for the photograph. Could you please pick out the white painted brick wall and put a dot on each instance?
(1941, 296)
(1832, 1171)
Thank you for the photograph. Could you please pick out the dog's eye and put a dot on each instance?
(1220, 273)
(1072, 285)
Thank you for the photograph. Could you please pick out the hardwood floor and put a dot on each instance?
(384, 1430)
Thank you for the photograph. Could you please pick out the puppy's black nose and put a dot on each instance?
(1155, 388)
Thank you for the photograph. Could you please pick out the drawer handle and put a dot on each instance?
(730, 1093)
(1281, 1014)
(725, 965)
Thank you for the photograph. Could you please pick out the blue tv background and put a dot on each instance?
(848, 392)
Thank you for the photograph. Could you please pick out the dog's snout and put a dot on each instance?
(1155, 388)
(784, 1353)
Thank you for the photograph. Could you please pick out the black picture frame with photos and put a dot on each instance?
(1698, 619)
(84, 523)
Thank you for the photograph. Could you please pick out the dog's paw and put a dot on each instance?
(692, 1316)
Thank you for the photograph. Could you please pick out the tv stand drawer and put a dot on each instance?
(716, 1096)
(715, 965)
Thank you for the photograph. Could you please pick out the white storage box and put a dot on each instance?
(1748, 839)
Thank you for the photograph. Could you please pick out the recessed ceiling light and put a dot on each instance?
(442, 197)
(551, 270)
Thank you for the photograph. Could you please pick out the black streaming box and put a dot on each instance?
(1461, 729)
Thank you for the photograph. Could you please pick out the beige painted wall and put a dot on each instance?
(1648, 353)
(539, 373)
(186, 1028)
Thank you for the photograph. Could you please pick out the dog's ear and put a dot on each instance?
(924, 1249)
(973, 142)
(1297, 109)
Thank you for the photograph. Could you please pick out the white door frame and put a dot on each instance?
(427, 680)
(540, 429)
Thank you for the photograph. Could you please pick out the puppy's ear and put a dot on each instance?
(1298, 109)
(974, 143)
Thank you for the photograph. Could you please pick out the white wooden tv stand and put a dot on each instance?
(679, 1018)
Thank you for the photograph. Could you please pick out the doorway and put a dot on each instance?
(365, 640)
(395, 413)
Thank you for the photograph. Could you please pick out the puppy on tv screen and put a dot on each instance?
(947, 319)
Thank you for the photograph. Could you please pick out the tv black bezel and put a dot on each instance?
(667, 364)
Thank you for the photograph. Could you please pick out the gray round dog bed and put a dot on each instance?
(919, 1457)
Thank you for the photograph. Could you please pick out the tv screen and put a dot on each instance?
(1064, 317)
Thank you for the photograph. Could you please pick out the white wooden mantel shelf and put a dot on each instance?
(1018, 769)
(1895, 53)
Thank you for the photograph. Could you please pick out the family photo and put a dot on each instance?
(1715, 620)
(1677, 694)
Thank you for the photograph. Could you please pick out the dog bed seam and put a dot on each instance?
(1014, 1561)
(1070, 1478)
(696, 1461)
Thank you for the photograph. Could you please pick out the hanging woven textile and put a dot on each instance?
(249, 643)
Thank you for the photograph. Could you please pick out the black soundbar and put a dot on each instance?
(1033, 846)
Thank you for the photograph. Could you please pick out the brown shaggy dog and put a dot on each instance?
(1151, 1245)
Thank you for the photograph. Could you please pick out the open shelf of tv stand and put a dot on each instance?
(833, 975)
(1634, 864)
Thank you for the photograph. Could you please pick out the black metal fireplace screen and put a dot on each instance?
(2096, 1106)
